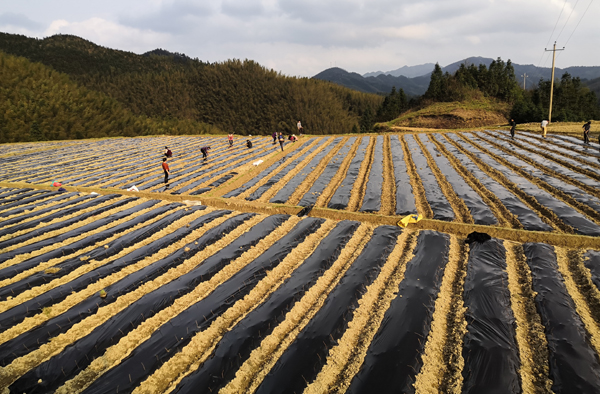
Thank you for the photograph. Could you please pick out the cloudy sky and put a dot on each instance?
(304, 37)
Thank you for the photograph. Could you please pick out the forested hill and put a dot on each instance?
(238, 96)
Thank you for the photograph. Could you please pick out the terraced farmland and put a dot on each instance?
(292, 276)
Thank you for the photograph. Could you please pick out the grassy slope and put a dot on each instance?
(476, 112)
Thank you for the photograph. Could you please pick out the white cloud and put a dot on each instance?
(111, 34)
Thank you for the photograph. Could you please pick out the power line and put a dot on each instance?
(580, 19)
(567, 21)
(556, 24)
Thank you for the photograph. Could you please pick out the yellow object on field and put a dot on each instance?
(409, 219)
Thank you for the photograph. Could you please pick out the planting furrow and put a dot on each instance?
(346, 357)
(250, 374)
(558, 214)
(30, 302)
(478, 210)
(257, 191)
(25, 195)
(574, 366)
(358, 189)
(296, 177)
(75, 358)
(549, 171)
(509, 207)
(441, 358)
(80, 330)
(371, 201)
(341, 196)
(321, 176)
(531, 340)
(388, 187)
(418, 190)
(565, 158)
(305, 356)
(392, 361)
(7, 194)
(490, 351)
(94, 247)
(44, 199)
(404, 198)
(236, 192)
(58, 231)
(579, 203)
(592, 263)
(181, 321)
(236, 345)
(440, 206)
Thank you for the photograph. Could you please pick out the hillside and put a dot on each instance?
(235, 96)
(380, 82)
(42, 104)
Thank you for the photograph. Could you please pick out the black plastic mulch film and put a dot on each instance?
(566, 213)
(177, 332)
(574, 366)
(305, 356)
(341, 197)
(573, 191)
(591, 260)
(35, 305)
(310, 197)
(479, 210)
(490, 349)
(76, 357)
(277, 177)
(393, 359)
(22, 207)
(56, 226)
(265, 172)
(372, 199)
(98, 253)
(405, 200)
(236, 345)
(62, 210)
(442, 210)
(286, 191)
(529, 219)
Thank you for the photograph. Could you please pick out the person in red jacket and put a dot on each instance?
(165, 168)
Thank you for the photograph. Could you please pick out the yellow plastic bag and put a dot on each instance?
(409, 219)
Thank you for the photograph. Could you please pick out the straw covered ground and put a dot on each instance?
(262, 270)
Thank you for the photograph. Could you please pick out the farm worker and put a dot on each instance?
(230, 137)
(168, 152)
(249, 143)
(204, 151)
(544, 124)
(513, 126)
(586, 132)
(299, 125)
(165, 167)
(274, 135)
(281, 140)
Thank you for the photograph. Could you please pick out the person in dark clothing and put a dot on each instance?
(274, 135)
(168, 152)
(586, 132)
(281, 140)
(513, 126)
(249, 143)
(165, 168)
(204, 151)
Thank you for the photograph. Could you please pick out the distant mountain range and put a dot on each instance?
(414, 80)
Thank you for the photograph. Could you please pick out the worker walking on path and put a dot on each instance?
(165, 167)
(544, 126)
(586, 132)
(281, 140)
(513, 126)
(230, 138)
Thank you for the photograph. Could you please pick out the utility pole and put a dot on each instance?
(524, 76)
(552, 81)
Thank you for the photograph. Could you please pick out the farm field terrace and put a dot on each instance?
(291, 275)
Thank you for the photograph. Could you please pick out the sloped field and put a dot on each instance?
(105, 293)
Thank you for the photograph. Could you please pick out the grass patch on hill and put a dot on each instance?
(476, 112)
